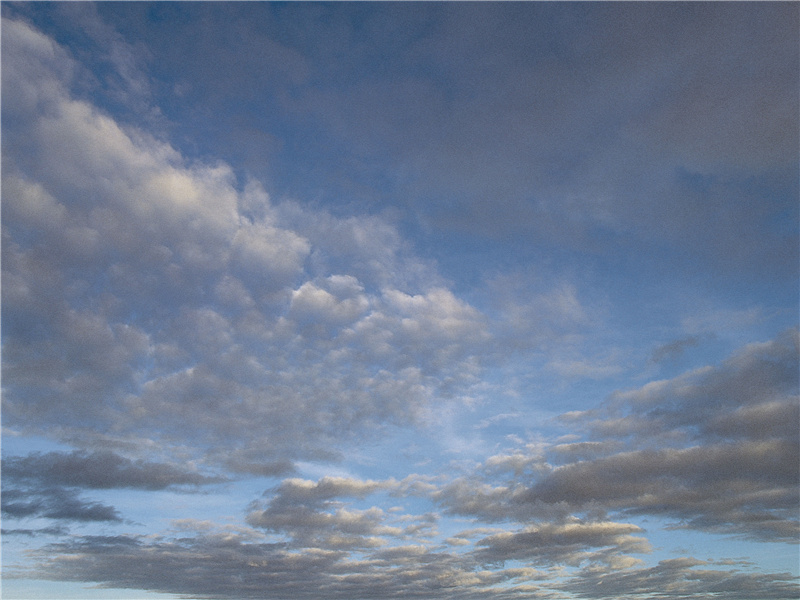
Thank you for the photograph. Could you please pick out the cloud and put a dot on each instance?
(480, 145)
(564, 543)
(714, 449)
(673, 350)
(171, 322)
(743, 488)
(56, 530)
(208, 561)
(115, 247)
(48, 485)
(683, 578)
(55, 503)
(99, 470)
(309, 514)
(760, 379)
(324, 546)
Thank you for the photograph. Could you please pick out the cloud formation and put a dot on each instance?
(254, 330)
(492, 333)
(98, 470)
(714, 449)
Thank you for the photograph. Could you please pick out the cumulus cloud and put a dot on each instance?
(325, 545)
(714, 449)
(760, 381)
(223, 564)
(546, 515)
(180, 328)
(566, 543)
(307, 512)
(208, 561)
(684, 578)
(115, 246)
(735, 488)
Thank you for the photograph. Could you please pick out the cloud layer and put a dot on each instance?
(256, 338)
(433, 379)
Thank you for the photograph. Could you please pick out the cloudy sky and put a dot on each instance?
(372, 300)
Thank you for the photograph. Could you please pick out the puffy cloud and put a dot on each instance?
(566, 543)
(216, 564)
(736, 488)
(159, 313)
(711, 402)
(307, 539)
(714, 449)
(308, 513)
(683, 578)
(304, 490)
(149, 296)
(338, 300)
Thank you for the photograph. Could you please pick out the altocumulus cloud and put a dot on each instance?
(673, 448)
(230, 322)
(182, 333)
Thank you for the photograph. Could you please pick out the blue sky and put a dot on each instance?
(400, 300)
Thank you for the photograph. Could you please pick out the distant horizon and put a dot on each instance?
(357, 300)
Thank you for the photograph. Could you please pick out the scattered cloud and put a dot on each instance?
(291, 337)
(684, 578)
(99, 470)
(673, 350)
(55, 503)
(480, 217)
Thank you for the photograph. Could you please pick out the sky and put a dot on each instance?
(348, 301)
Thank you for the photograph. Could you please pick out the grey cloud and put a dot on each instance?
(567, 543)
(674, 349)
(576, 451)
(715, 449)
(481, 125)
(47, 485)
(326, 547)
(308, 513)
(743, 488)
(494, 502)
(240, 462)
(226, 565)
(55, 503)
(303, 490)
(114, 244)
(60, 531)
(684, 578)
(558, 158)
(760, 380)
(336, 529)
(99, 470)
